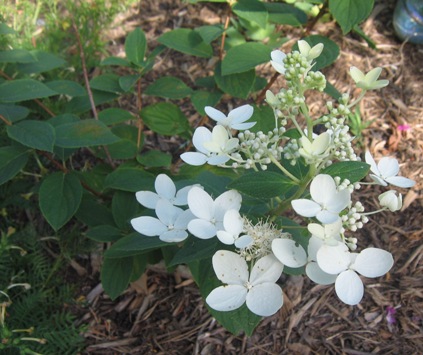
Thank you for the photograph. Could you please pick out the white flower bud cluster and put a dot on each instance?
(291, 151)
(296, 66)
(345, 184)
(354, 219)
(315, 80)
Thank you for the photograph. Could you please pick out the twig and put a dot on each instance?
(311, 25)
(5, 120)
(140, 123)
(222, 44)
(263, 92)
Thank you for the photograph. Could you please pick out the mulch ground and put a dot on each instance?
(163, 313)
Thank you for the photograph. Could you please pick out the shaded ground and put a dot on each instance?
(164, 314)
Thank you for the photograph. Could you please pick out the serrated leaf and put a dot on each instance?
(349, 13)
(85, 133)
(155, 159)
(60, 197)
(168, 87)
(112, 116)
(67, 87)
(16, 56)
(56, 121)
(238, 85)
(201, 98)
(106, 82)
(262, 184)
(134, 244)
(285, 14)
(130, 179)
(252, 10)
(351, 170)
(245, 57)
(13, 113)
(210, 33)
(44, 62)
(34, 134)
(12, 160)
(128, 81)
(186, 41)
(115, 275)
(165, 118)
(126, 148)
(135, 46)
(24, 89)
(329, 54)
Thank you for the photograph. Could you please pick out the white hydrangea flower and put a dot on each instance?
(316, 150)
(277, 61)
(327, 202)
(233, 225)
(170, 226)
(258, 289)
(221, 141)
(165, 190)
(209, 214)
(386, 171)
(236, 118)
(368, 81)
(310, 52)
(391, 200)
(329, 233)
(337, 260)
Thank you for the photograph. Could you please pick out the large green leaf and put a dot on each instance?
(186, 41)
(349, 13)
(238, 85)
(285, 14)
(155, 159)
(115, 275)
(264, 118)
(244, 57)
(168, 87)
(92, 213)
(134, 244)
(44, 62)
(85, 133)
(67, 87)
(12, 160)
(81, 104)
(195, 249)
(252, 10)
(210, 33)
(106, 82)
(135, 46)
(130, 179)
(34, 134)
(126, 148)
(104, 234)
(60, 197)
(112, 116)
(24, 89)
(13, 113)
(351, 170)
(165, 118)
(16, 56)
(202, 98)
(124, 207)
(262, 184)
(56, 121)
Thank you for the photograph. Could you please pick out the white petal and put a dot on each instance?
(266, 269)
(214, 114)
(315, 51)
(279, 67)
(349, 287)
(289, 253)
(317, 275)
(227, 298)
(183, 219)
(373, 262)
(278, 56)
(174, 236)
(400, 181)
(201, 135)
(229, 200)
(357, 76)
(265, 299)
(243, 241)
(369, 160)
(314, 244)
(321, 143)
(200, 203)
(339, 201)
(317, 230)
(241, 114)
(166, 212)
(327, 216)
(388, 167)
(165, 187)
(181, 196)
(233, 222)
(243, 126)
(202, 229)
(304, 47)
(226, 237)
(306, 208)
(194, 158)
(148, 226)
(217, 159)
(372, 75)
(333, 259)
(147, 199)
(323, 188)
(378, 180)
(230, 267)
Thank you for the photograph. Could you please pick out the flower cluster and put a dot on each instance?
(317, 189)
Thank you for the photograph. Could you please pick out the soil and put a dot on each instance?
(163, 313)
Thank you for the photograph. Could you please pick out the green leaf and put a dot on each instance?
(135, 46)
(128, 81)
(351, 170)
(112, 116)
(210, 33)
(195, 249)
(202, 98)
(106, 82)
(115, 61)
(349, 13)
(126, 148)
(6, 30)
(44, 62)
(130, 179)
(81, 104)
(264, 117)
(92, 213)
(285, 14)
(329, 54)
(34, 134)
(13, 113)
(186, 41)
(85, 133)
(124, 207)
(155, 159)
(56, 121)
(24, 89)
(245, 57)
(252, 10)
(332, 91)
(238, 85)
(262, 184)
(67, 87)
(115, 275)
(12, 160)
(104, 234)
(16, 56)
(168, 87)
(165, 118)
(60, 197)
(360, 32)
(134, 244)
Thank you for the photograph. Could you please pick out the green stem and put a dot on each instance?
(359, 98)
(286, 172)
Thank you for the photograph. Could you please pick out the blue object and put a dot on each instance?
(408, 20)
